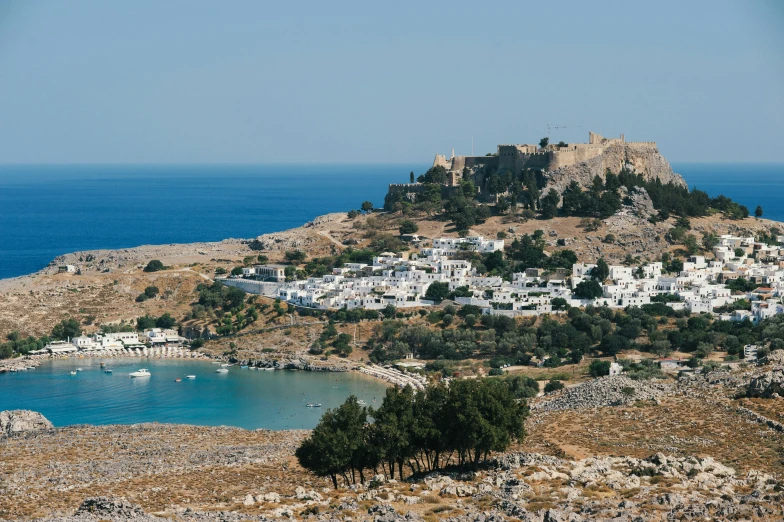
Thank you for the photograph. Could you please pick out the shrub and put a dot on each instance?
(154, 266)
(599, 368)
(553, 385)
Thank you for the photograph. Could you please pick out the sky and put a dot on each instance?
(371, 82)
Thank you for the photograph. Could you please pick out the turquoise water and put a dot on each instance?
(245, 398)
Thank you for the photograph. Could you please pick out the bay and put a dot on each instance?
(244, 398)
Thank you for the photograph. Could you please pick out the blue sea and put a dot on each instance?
(46, 211)
(245, 398)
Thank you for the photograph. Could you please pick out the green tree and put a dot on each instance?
(553, 385)
(437, 291)
(295, 257)
(66, 329)
(544, 142)
(392, 429)
(549, 204)
(599, 368)
(758, 211)
(367, 206)
(690, 242)
(165, 321)
(709, 240)
(588, 289)
(236, 271)
(408, 227)
(601, 271)
(411, 177)
(154, 266)
(337, 444)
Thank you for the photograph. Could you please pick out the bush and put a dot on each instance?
(599, 368)
(408, 227)
(220, 271)
(154, 266)
(552, 386)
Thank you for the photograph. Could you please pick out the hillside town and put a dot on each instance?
(700, 285)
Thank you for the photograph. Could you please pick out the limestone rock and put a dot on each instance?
(14, 422)
(766, 384)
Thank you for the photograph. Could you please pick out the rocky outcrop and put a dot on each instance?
(17, 422)
(643, 160)
(604, 391)
(768, 384)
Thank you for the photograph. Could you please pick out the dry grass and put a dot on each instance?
(680, 426)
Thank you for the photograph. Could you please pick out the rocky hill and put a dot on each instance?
(648, 162)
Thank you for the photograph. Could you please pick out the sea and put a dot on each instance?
(244, 398)
(48, 210)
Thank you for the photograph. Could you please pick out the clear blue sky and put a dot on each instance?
(339, 82)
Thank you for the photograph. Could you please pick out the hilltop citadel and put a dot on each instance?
(556, 163)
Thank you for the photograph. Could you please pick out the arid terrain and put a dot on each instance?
(682, 450)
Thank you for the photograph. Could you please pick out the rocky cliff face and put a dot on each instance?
(14, 422)
(645, 161)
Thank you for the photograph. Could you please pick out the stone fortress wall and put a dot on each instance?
(574, 161)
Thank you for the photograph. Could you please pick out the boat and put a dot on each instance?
(78, 369)
(268, 369)
(313, 405)
(107, 371)
(190, 376)
(222, 370)
(73, 372)
(225, 365)
(215, 362)
(177, 380)
(244, 366)
(143, 372)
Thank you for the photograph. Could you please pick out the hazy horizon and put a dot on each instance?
(191, 83)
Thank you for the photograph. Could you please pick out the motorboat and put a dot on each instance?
(222, 370)
(78, 369)
(177, 380)
(190, 376)
(73, 372)
(268, 369)
(224, 365)
(107, 371)
(245, 366)
(313, 405)
(143, 372)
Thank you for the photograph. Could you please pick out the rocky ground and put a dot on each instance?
(670, 451)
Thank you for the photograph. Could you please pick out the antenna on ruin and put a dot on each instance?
(551, 126)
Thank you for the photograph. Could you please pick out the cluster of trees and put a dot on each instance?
(340, 342)
(146, 322)
(229, 306)
(601, 200)
(655, 328)
(417, 432)
(16, 344)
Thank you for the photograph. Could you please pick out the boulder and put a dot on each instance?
(767, 384)
(15, 422)
(103, 508)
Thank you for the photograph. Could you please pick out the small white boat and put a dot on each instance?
(107, 371)
(224, 365)
(78, 369)
(143, 372)
(73, 372)
(222, 370)
(268, 369)
(190, 376)
(313, 405)
(215, 362)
